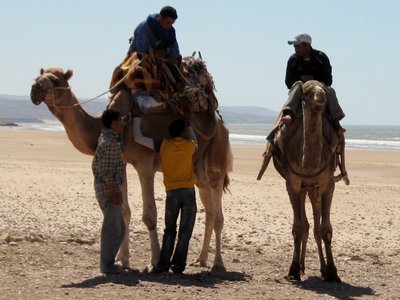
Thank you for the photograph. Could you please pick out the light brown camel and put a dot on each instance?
(305, 158)
(211, 168)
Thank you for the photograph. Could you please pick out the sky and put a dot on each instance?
(244, 44)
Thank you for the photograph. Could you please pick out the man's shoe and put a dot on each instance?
(158, 269)
(177, 270)
(114, 270)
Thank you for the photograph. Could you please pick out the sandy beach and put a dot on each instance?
(50, 224)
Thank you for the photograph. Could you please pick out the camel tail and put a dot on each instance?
(227, 181)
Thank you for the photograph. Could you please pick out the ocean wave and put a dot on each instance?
(386, 145)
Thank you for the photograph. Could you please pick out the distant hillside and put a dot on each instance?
(20, 109)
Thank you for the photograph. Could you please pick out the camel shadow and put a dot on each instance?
(203, 279)
(342, 291)
(128, 278)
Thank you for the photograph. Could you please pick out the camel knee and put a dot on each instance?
(214, 177)
(298, 231)
(218, 223)
(150, 221)
(326, 235)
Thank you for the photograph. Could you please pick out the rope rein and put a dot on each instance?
(79, 102)
(94, 98)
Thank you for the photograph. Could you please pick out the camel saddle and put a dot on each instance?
(156, 125)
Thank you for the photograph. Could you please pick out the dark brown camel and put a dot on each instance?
(305, 157)
(212, 166)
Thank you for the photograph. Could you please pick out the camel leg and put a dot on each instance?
(315, 198)
(123, 253)
(297, 200)
(205, 196)
(211, 199)
(304, 240)
(218, 226)
(149, 215)
(326, 234)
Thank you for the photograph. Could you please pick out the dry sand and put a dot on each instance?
(50, 224)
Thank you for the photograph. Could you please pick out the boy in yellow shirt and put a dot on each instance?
(177, 165)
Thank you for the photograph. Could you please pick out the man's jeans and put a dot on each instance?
(112, 233)
(294, 100)
(183, 201)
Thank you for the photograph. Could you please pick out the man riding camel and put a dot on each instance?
(310, 64)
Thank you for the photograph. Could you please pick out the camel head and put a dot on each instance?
(314, 95)
(50, 80)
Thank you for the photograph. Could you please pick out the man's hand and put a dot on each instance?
(114, 195)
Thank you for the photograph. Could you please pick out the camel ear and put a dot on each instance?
(41, 71)
(68, 74)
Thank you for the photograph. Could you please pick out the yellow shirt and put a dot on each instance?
(177, 163)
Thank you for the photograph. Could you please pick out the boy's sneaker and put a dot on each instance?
(177, 270)
(158, 269)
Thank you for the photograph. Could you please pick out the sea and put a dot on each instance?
(362, 137)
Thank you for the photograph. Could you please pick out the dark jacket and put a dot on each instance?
(318, 67)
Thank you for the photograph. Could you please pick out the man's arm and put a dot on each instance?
(142, 38)
(174, 51)
(326, 69)
(290, 77)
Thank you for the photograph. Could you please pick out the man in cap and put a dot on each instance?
(309, 64)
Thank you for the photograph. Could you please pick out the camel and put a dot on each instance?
(305, 157)
(214, 161)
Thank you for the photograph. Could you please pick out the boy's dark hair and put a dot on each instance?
(108, 117)
(176, 128)
(168, 12)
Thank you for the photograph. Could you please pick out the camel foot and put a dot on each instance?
(294, 272)
(293, 277)
(218, 269)
(198, 263)
(331, 275)
(123, 263)
(333, 278)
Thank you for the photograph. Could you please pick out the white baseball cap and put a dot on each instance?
(300, 38)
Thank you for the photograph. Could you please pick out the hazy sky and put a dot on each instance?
(243, 42)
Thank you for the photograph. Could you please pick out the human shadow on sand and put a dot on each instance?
(133, 277)
(342, 291)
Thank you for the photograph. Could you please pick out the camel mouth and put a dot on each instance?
(37, 94)
(319, 105)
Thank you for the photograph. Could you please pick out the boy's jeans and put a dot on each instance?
(183, 201)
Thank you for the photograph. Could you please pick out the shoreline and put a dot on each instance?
(238, 139)
(54, 146)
